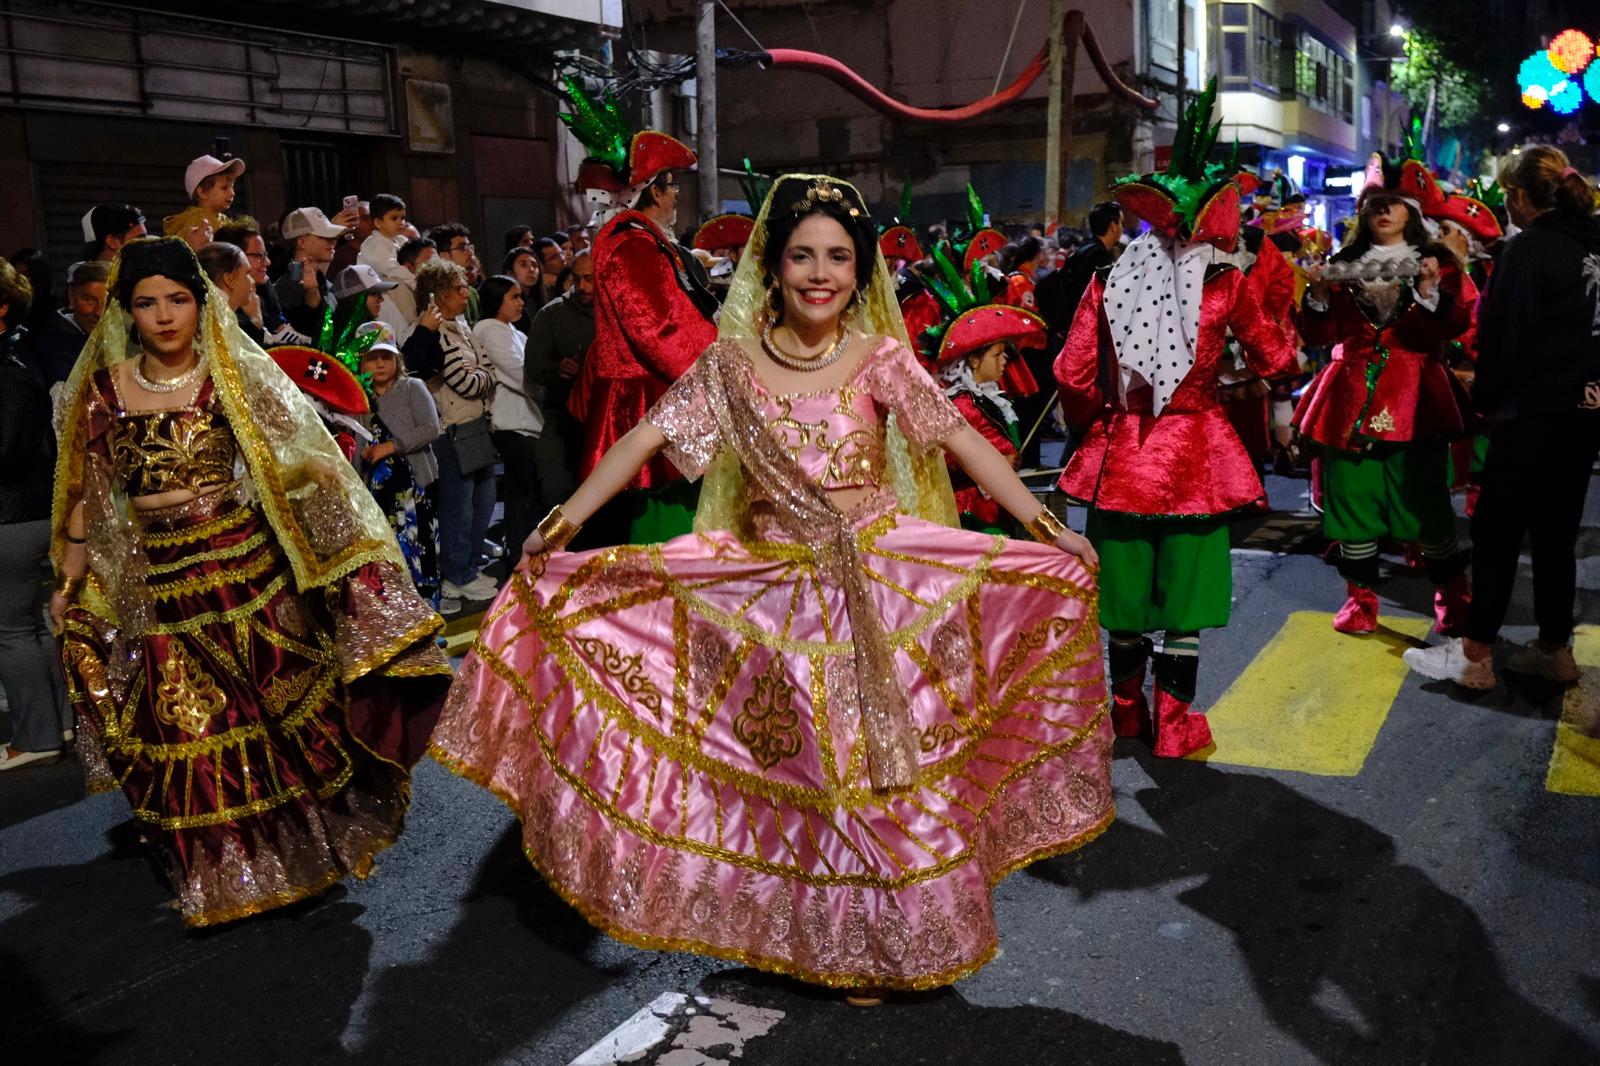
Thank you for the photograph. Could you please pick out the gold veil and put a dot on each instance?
(325, 520)
(922, 482)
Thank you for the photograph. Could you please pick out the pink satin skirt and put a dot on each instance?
(676, 727)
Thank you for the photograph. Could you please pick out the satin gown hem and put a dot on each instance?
(640, 938)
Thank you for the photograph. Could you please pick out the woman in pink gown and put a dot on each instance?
(812, 735)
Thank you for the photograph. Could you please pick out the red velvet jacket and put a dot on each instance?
(1187, 461)
(1364, 395)
(969, 498)
(648, 331)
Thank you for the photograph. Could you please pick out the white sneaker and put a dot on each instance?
(492, 550)
(449, 605)
(1558, 666)
(1448, 662)
(482, 587)
(13, 760)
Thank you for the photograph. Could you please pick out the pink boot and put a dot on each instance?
(1450, 603)
(1179, 730)
(1359, 615)
(1130, 711)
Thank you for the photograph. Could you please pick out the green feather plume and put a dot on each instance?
(904, 217)
(754, 186)
(598, 124)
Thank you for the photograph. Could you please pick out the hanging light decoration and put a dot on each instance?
(1559, 76)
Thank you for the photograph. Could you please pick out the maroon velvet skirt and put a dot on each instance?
(263, 737)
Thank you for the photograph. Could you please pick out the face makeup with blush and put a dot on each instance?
(818, 275)
(166, 314)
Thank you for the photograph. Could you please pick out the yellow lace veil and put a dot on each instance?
(325, 519)
(922, 482)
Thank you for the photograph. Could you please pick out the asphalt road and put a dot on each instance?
(1440, 905)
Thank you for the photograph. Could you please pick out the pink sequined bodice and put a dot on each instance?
(835, 435)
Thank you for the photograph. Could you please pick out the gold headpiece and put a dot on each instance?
(822, 191)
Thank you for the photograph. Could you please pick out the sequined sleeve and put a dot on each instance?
(684, 416)
(923, 413)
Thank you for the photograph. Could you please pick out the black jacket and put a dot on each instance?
(52, 348)
(1057, 295)
(1539, 322)
(27, 442)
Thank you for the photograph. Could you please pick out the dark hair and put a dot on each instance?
(492, 293)
(151, 257)
(414, 247)
(1025, 250)
(515, 234)
(385, 202)
(1415, 233)
(1542, 173)
(509, 263)
(33, 263)
(577, 227)
(541, 243)
(442, 234)
(1102, 215)
(16, 294)
(238, 231)
(782, 222)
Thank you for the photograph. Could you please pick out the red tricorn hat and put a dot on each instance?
(724, 231)
(1248, 183)
(984, 242)
(1474, 216)
(1418, 183)
(898, 242)
(652, 152)
(323, 376)
(980, 327)
(1218, 220)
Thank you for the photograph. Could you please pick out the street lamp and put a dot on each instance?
(1504, 127)
(1397, 30)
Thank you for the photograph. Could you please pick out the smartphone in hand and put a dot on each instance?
(351, 202)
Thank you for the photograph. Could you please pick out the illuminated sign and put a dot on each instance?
(1560, 76)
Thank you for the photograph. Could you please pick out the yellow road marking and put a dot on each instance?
(1575, 759)
(460, 631)
(1313, 700)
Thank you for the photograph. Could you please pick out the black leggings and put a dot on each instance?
(1534, 483)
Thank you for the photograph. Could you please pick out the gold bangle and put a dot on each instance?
(556, 530)
(70, 587)
(1046, 527)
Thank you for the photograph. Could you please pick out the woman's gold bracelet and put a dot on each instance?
(556, 530)
(70, 587)
(1046, 527)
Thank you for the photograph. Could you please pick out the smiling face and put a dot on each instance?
(818, 273)
(166, 315)
(255, 250)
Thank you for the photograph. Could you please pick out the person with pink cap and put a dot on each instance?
(209, 183)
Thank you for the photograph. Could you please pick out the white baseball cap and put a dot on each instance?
(358, 278)
(206, 166)
(304, 220)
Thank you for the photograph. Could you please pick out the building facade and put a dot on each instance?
(448, 105)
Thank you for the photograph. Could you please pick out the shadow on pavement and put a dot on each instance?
(33, 790)
(493, 990)
(108, 974)
(1357, 956)
(821, 1028)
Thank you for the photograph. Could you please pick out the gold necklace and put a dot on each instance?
(804, 363)
(166, 385)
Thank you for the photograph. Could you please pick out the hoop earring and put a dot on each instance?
(852, 310)
(772, 306)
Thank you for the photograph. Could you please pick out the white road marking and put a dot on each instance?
(715, 1033)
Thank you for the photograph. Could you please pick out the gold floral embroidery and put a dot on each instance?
(625, 670)
(161, 451)
(186, 696)
(768, 722)
(285, 690)
(1382, 422)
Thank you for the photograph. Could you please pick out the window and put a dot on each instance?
(1324, 79)
(1246, 47)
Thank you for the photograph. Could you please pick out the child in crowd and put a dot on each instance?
(381, 249)
(209, 183)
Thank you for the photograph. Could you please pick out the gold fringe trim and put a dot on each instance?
(770, 963)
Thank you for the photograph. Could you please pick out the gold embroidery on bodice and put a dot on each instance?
(161, 451)
(843, 448)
